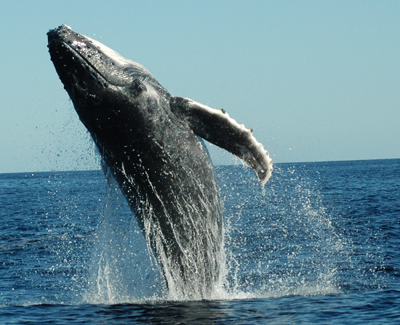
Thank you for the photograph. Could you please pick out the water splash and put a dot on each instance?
(278, 242)
(282, 241)
(123, 269)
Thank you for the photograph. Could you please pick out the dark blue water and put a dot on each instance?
(320, 243)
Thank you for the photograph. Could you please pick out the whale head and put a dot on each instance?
(100, 81)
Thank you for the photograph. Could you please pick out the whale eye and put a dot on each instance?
(137, 87)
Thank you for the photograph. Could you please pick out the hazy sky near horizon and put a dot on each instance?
(316, 80)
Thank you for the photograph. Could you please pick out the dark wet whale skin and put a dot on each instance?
(153, 153)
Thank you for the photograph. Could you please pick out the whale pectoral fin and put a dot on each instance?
(218, 128)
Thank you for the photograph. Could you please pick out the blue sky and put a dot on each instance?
(316, 80)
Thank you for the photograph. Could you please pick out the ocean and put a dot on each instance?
(320, 243)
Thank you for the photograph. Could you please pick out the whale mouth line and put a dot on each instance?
(81, 58)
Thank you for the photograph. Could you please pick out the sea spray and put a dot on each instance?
(280, 241)
(123, 269)
(296, 249)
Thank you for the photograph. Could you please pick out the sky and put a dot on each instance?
(315, 80)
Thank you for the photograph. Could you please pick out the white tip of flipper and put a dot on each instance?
(217, 127)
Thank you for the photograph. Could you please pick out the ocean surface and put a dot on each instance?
(320, 243)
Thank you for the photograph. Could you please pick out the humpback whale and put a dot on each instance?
(151, 142)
